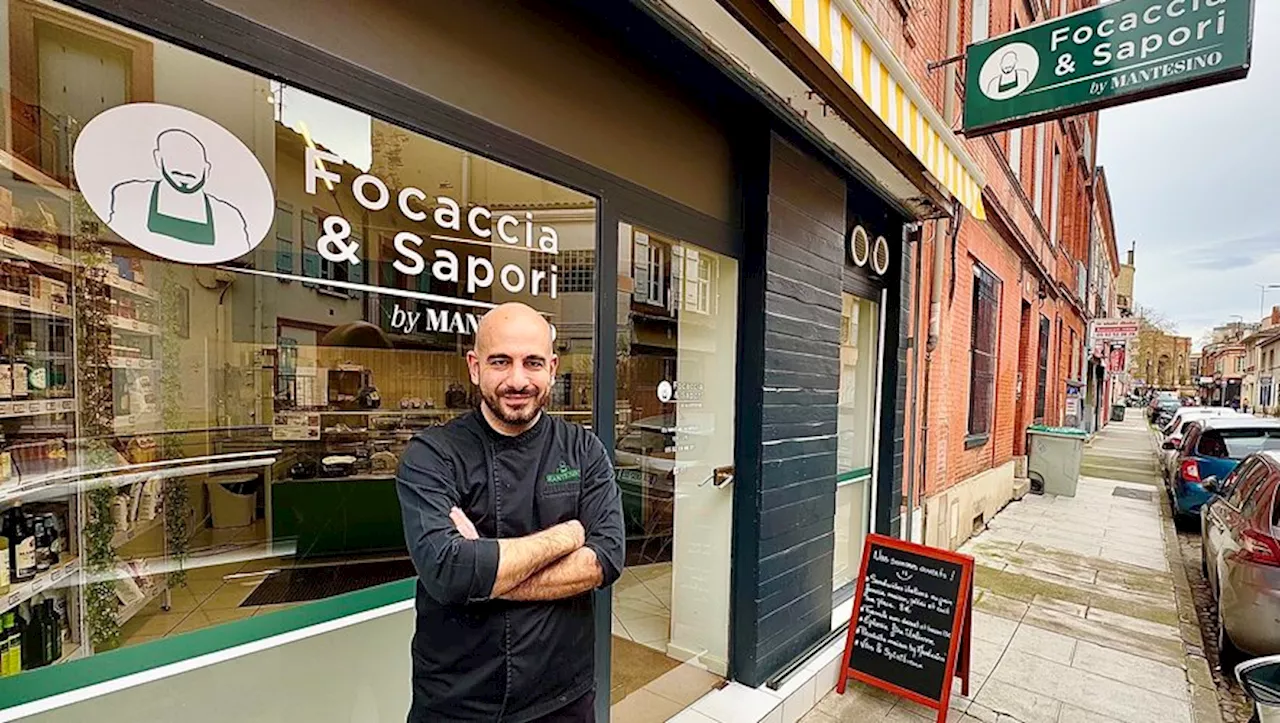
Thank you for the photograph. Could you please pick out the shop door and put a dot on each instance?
(677, 352)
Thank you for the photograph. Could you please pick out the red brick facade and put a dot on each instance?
(1039, 269)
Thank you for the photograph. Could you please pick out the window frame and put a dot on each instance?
(985, 296)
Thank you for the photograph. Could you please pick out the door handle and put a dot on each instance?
(720, 477)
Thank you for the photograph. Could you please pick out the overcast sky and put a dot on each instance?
(1195, 181)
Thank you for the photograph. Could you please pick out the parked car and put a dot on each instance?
(1240, 555)
(1177, 428)
(1212, 447)
(1163, 409)
(1260, 679)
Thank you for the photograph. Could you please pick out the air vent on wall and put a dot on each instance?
(859, 245)
(880, 258)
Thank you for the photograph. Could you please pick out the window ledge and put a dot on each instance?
(976, 440)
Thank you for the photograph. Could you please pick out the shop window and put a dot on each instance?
(1037, 180)
(576, 270)
(284, 238)
(1055, 197)
(650, 270)
(1015, 152)
(985, 329)
(859, 336)
(980, 19)
(224, 445)
(1042, 369)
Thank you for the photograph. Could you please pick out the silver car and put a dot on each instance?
(1241, 556)
(1260, 679)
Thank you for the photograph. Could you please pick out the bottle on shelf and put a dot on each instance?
(4, 567)
(19, 367)
(32, 639)
(52, 528)
(10, 647)
(22, 545)
(6, 457)
(44, 556)
(6, 373)
(54, 622)
(18, 641)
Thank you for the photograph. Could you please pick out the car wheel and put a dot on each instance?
(1228, 654)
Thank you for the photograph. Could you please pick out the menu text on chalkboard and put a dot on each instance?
(910, 623)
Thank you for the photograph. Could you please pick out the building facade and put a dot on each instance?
(1007, 307)
(250, 244)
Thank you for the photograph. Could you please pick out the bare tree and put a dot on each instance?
(1154, 319)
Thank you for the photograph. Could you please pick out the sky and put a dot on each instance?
(1195, 181)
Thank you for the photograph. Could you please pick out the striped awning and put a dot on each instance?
(869, 67)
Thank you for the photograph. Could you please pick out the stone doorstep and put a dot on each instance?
(736, 703)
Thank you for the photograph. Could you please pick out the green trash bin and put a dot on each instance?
(1053, 459)
(1117, 412)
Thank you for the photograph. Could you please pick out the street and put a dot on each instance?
(1088, 609)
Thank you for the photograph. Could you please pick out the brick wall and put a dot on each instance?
(1026, 261)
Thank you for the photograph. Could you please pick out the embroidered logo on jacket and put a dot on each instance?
(563, 475)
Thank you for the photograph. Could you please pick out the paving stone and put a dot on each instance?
(1043, 643)
(995, 630)
(1018, 703)
(1164, 650)
(1063, 606)
(1072, 714)
(1131, 669)
(856, 704)
(1128, 622)
(998, 605)
(1205, 707)
(1198, 672)
(1088, 691)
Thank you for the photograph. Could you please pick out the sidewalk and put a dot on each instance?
(1076, 618)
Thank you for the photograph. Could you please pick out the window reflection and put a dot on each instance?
(184, 446)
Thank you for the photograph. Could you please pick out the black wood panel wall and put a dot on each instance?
(796, 507)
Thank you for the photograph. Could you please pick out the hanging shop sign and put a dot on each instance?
(1112, 330)
(1109, 55)
(912, 622)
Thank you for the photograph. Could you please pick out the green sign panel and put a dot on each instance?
(1116, 53)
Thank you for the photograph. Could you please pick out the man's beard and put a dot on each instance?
(493, 401)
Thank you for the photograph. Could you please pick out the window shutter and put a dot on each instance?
(642, 260)
(355, 272)
(284, 239)
(678, 261)
(310, 257)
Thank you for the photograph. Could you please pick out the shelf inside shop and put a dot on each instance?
(138, 529)
(30, 173)
(70, 651)
(26, 302)
(24, 250)
(36, 407)
(126, 362)
(47, 580)
(116, 281)
(127, 612)
(139, 327)
(136, 422)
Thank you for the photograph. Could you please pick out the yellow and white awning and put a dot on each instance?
(849, 42)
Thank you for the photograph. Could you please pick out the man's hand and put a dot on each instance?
(463, 523)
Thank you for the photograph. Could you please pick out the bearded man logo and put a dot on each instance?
(174, 183)
(176, 205)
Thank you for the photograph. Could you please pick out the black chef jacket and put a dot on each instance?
(477, 659)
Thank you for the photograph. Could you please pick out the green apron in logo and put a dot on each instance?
(1004, 87)
(180, 228)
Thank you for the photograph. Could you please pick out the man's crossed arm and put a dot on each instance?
(536, 567)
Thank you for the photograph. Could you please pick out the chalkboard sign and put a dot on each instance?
(909, 633)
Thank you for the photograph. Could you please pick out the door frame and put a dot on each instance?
(225, 36)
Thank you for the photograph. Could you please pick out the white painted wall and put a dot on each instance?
(358, 674)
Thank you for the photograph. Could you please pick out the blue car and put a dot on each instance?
(1212, 447)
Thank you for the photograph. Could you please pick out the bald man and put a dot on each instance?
(177, 207)
(512, 518)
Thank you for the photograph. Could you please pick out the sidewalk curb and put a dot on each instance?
(1204, 693)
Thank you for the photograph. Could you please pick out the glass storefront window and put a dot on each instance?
(677, 340)
(222, 316)
(859, 337)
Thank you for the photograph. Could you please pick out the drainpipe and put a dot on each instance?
(913, 452)
(935, 326)
(953, 39)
